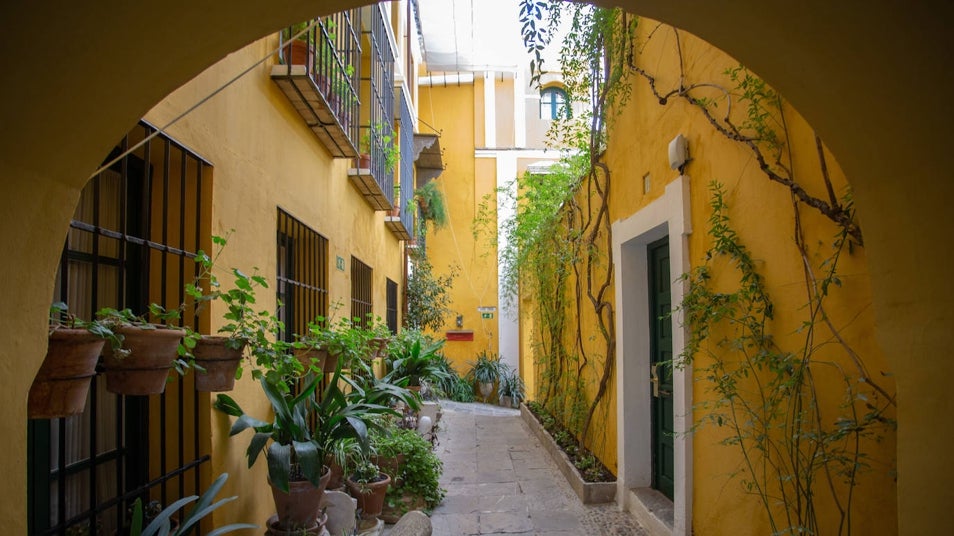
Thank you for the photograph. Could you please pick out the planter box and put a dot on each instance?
(588, 492)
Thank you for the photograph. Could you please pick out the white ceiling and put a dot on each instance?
(472, 35)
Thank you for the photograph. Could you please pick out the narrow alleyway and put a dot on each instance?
(500, 480)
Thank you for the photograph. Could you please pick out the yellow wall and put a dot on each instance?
(762, 214)
(265, 157)
(852, 84)
(464, 182)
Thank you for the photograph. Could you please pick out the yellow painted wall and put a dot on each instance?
(762, 214)
(265, 157)
(886, 140)
(465, 182)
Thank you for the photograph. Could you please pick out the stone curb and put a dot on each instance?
(588, 492)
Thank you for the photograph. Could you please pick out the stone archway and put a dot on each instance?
(872, 79)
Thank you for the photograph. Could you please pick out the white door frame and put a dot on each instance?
(667, 215)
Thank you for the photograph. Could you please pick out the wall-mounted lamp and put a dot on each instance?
(678, 152)
(460, 321)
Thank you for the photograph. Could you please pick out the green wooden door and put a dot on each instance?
(660, 362)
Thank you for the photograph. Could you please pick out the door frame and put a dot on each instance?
(669, 214)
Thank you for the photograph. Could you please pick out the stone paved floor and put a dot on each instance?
(500, 480)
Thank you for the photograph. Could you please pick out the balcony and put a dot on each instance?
(319, 73)
(401, 221)
(373, 174)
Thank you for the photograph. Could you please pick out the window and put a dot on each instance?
(130, 243)
(553, 103)
(392, 312)
(361, 291)
(302, 274)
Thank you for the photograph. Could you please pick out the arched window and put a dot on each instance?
(553, 102)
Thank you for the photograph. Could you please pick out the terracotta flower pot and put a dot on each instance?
(219, 361)
(299, 508)
(312, 358)
(370, 496)
(61, 385)
(145, 369)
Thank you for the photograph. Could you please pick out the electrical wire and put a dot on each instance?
(201, 101)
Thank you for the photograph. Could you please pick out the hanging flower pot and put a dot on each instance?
(312, 358)
(61, 385)
(220, 361)
(149, 354)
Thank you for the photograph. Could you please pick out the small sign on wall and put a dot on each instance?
(486, 315)
(339, 263)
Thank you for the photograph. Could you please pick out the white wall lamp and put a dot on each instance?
(678, 152)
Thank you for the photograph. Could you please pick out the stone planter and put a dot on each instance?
(588, 492)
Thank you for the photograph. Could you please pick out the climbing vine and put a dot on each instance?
(796, 448)
(558, 248)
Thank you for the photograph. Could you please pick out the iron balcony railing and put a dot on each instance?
(330, 50)
(378, 138)
(407, 165)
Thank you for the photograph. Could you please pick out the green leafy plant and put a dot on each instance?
(377, 137)
(431, 205)
(414, 357)
(161, 523)
(485, 368)
(428, 294)
(421, 471)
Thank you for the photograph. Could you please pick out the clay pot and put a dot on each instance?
(300, 507)
(219, 361)
(296, 53)
(390, 465)
(370, 496)
(364, 161)
(273, 528)
(145, 369)
(61, 385)
(312, 358)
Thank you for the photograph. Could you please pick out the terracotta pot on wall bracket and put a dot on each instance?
(312, 358)
(62, 383)
(145, 370)
(219, 361)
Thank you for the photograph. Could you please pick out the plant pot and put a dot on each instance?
(390, 465)
(296, 53)
(331, 363)
(274, 529)
(506, 401)
(364, 161)
(336, 478)
(145, 370)
(370, 496)
(486, 389)
(312, 358)
(219, 361)
(60, 386)
(300, 507)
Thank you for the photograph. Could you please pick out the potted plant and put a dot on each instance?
(415, 358)
(417, 482)
(301, 435)
(511, 388)
(368, 484)
(140, 363)
(296, 472)
(485, 370)
(62, 383)
(390, 150)
(297, 50)
(162, 523)
(430, 202)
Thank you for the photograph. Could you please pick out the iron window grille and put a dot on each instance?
(361, 291)
(302, 274)
(131, 242)
(392, 309)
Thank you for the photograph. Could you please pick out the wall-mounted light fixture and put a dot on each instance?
(460, 321)
(678, 152)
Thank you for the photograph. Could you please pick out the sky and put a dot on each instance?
(472, 35)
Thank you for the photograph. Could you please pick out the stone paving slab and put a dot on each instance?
(500, 480)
